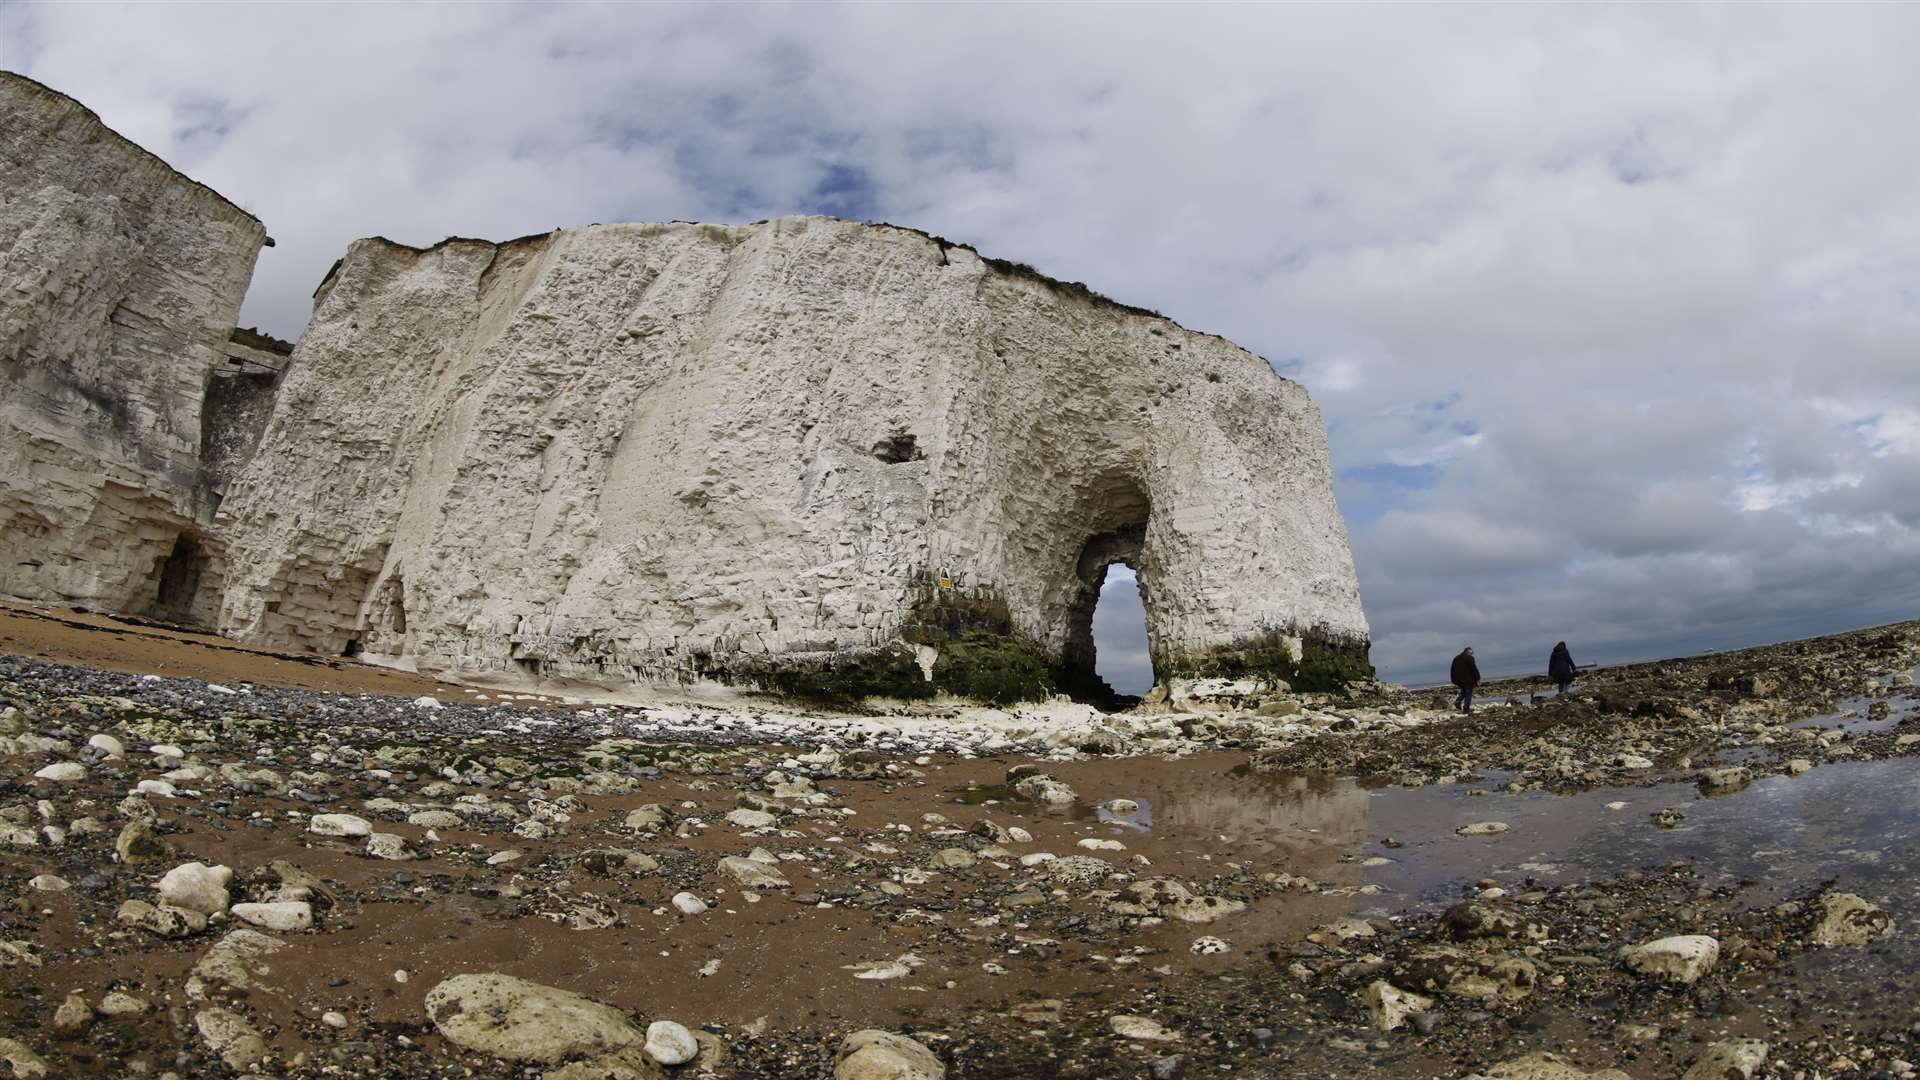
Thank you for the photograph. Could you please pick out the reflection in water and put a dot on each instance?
(1856, 825)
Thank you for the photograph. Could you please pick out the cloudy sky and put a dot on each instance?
(1613, 311)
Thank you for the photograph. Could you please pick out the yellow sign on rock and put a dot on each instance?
(946, 583)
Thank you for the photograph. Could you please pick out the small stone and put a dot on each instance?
(1388, 1006)
(669, 1043)
(158, 788)
(649, 818)
(232, 963)
(386, 845)
(1846, 919)
(1171, 1067)
(952, 858)
(339, 825)
(1141, 1028)
(63, 772)
(1544, 1066)
(436, 819)
(334, 1020)
(73, 1016)
(196, 887)
(753, 874)
(1122, 807)
(21, 1058)
(1483, 828)
(1680, 959)
(138, 843)
(108, 745)
(1668, 817)
(119, 1003)
(501, 857)
(882, 1055)
(1724, 781)
(285, 915)
(48, 883)
(1741, 1057)
(1044, 789)
(228, 1034)
(1209, 946)
(688, 904)
(165, 920)
(751, 819)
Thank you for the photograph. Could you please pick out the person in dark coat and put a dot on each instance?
(1560, 667)
(1466, 676)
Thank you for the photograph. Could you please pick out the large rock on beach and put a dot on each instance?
(882, 1055)
(519, 1020)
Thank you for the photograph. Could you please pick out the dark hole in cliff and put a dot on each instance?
(397, 607)
(352, 647)
(180, 578)
(898, 447)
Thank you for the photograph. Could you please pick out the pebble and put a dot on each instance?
(285, 915)
(688, 904)
(339, 825)
(1680, 959)
(196, 887)
(669, 1043)
(1141, 1028)
(882, 1055)
(63, 772)
(1483, 828)
(392, 846)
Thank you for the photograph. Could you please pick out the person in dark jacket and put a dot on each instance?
(1560, 667)
(1466, 676)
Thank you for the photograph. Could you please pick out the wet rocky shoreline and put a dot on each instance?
(205, 878)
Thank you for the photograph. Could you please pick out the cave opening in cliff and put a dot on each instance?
(1121, 657)
(1104, 659)
(181, 574)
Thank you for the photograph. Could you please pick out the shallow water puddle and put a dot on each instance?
(1857, 822)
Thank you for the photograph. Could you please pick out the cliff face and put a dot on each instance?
(800, 449)
(119, 283)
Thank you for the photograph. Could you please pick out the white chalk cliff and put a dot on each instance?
(648, 453)
(804, 454)
(119, 283)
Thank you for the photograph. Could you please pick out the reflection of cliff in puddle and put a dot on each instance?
(1855, 824)
(1310, 826)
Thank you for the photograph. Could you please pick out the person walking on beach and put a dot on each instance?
(1560, 667)
(1466, 676)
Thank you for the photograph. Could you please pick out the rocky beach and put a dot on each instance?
(219, 859)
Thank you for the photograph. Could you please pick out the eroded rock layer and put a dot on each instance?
(119, 283)
(808, 453)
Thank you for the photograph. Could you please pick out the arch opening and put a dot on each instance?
(1123, 542)
(1122, 659)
